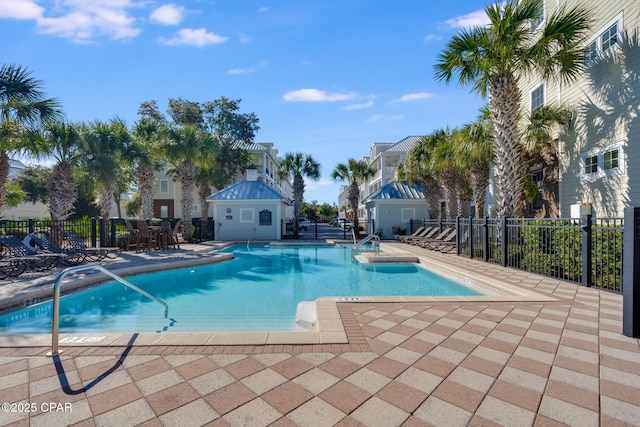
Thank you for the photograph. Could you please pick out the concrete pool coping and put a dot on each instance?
(330, 325)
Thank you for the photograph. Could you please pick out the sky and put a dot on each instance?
(326, 78)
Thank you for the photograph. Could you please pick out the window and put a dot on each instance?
(535, 175)
(591, 164)
(537, 97)
(604, 40)
(536, 22)
(407, 214)
(602, 162)
(610, 37)
(164, 185)
(246, 215)
(164, 211)
(611, 159)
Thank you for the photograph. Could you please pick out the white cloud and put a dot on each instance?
(414, 96)
(263, 9)
(248, 70)
(315, 95)
(473, 19)
(168, 14)
(245, 38)
(384, 118)
(430, 37)
(20, 9)
(315, 185)
(367, 104)
(83, 20)
(198, 37)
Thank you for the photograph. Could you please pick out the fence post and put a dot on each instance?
(458, 237)
(631, 273)
(32, 225)
(505, 240)
(587, 273)
(113, 241)
(485, 239)
(94, 236)
(470, 231)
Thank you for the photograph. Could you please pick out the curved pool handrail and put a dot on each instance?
(56, 298)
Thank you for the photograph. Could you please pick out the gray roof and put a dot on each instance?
(396, 190)
(247, 190)
(252, 146)
(405, 144)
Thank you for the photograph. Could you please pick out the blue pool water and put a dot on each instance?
(257, 291)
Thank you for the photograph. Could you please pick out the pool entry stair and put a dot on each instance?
(371, 243)
(56, 298)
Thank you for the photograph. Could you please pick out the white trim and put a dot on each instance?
(249, 213)
(599, 153)
(597, 38)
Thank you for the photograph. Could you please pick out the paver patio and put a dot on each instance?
(559, 362)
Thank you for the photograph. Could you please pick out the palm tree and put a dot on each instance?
(494, 57)
(148, 134)
(62, 142)
(185, 144)
(444, 161)
(23, 108)
(105, 147)
(353, 171)
(417, 169)
(297, 166)
(475, 151)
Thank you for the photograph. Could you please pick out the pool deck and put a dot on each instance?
(546, 352)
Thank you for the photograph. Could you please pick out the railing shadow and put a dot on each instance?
(64, 382)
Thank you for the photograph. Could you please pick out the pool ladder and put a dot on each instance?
(56, 299)
(358, 247)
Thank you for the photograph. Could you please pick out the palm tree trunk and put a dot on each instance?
(479, 183)
(4, 178)
(504, 105)
(145, 175)
(61, 189)
(187, 172)
(432, 196)
(298, 195)
(354, 197)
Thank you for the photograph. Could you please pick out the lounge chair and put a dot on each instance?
(46, 245)
(11, 267)
(416, 233)
(430, 233)
(90, 254)
(19, 251)
(445, 238)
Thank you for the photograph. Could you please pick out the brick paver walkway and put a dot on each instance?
(562, 362)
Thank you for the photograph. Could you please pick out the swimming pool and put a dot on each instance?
(259, 290)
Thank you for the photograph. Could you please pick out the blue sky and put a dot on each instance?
(327, 78)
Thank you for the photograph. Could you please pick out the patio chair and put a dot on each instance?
(11, 266)
(90, 254)
(174, 234)
(169, 237)
(133, 239)
(427, 233)
(147, 237)
(416, 233)
(46, 245)
(445, 238)
(32, 260)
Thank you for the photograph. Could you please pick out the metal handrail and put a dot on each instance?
(367, 239)
(56, 299)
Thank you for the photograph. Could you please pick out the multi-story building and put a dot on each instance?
(263, 156)
(594, 166)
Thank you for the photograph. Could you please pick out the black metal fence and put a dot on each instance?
(96, 232)
(588, 251)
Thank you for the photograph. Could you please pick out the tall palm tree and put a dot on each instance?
(185, 144)
(354, 171)
(297, 166)
(62, 141)
(105, 146)
(444, 161)
(23, 108)
(148, 134)
(492, 60)
(475, 151)
(418, 169)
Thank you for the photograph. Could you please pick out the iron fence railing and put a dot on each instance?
(584, 250)
(96, 232)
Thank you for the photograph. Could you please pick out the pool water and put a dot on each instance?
(259, 290)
